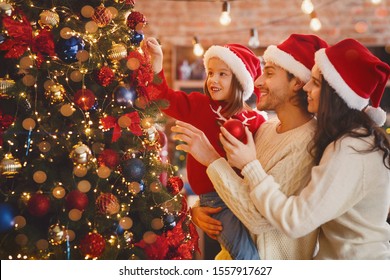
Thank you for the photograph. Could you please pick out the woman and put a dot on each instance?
(348, 196)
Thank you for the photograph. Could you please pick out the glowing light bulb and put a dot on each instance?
(315, 24)
(307, 7)
(225, 18)
(254, 39)
(198, 49)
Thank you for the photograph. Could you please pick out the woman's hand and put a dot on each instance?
(196, 143)
(238, 154)
(156, 53)
(201, 216)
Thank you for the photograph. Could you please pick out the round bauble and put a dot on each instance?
(92, 245)
(175, 185)
(236, 128)
(76, 200)
(38, 205)
(6, 217)
(107, 204)
(85, 99)
(124, 95)
(67, 49)
(56, 234)
(133, 169)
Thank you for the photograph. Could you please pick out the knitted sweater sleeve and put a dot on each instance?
(325, 197)
(235, 191)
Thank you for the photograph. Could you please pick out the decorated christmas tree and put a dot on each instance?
(84, 169)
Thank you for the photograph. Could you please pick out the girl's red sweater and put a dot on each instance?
(201, 111)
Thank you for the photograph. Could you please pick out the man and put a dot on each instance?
(280, 146)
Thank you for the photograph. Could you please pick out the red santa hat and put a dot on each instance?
(356, 75)
(296, 54)
(242, 61)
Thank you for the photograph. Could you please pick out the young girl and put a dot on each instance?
(348, 195)
(231, 71)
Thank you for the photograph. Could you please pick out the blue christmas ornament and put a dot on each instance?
(67, 49)
(125, 95)
(6, 217)
(169, 221)
(133, 170)
(137, 38)
(2, 39)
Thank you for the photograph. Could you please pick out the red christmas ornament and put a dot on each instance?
(174, 185)
(102, 16)
(134, 19)
(105, 76)
(107, 203)
(236, 128)
(109, 158)
(85, 99)
(38, 205)
(92, 245)
(76, 200)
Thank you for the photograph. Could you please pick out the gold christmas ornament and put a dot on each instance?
(55, 93)
(151, 135)
(48, 19)
(9, 166)
(5, 85)
(56, 234)
(7, 8)
(102, 16)
(81, 154)
(117, 52)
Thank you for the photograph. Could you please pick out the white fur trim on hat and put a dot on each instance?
(288, 62)
(236, 65)
(376, 114)
(353, 100)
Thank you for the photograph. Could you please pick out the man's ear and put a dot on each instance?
(297, 83)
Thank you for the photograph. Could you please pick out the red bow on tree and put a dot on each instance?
(21, 37)
(112, 122)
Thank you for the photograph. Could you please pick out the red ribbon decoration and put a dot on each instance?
(112, 122)
(22, 37)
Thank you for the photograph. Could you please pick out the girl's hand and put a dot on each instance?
(156, 53)
(196, 143)
(238, 154)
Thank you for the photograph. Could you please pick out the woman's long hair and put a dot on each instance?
(335, 119)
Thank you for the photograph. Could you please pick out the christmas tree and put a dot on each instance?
(84, 170)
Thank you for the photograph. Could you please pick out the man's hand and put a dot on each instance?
(196, 143)
(201, 216)
(238, 154)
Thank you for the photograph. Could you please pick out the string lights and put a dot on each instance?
(225, 18)
(198, 49)
(254, 39)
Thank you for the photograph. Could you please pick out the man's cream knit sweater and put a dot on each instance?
(285, 156)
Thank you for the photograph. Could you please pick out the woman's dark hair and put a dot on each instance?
(335, 119)
(235, 103)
